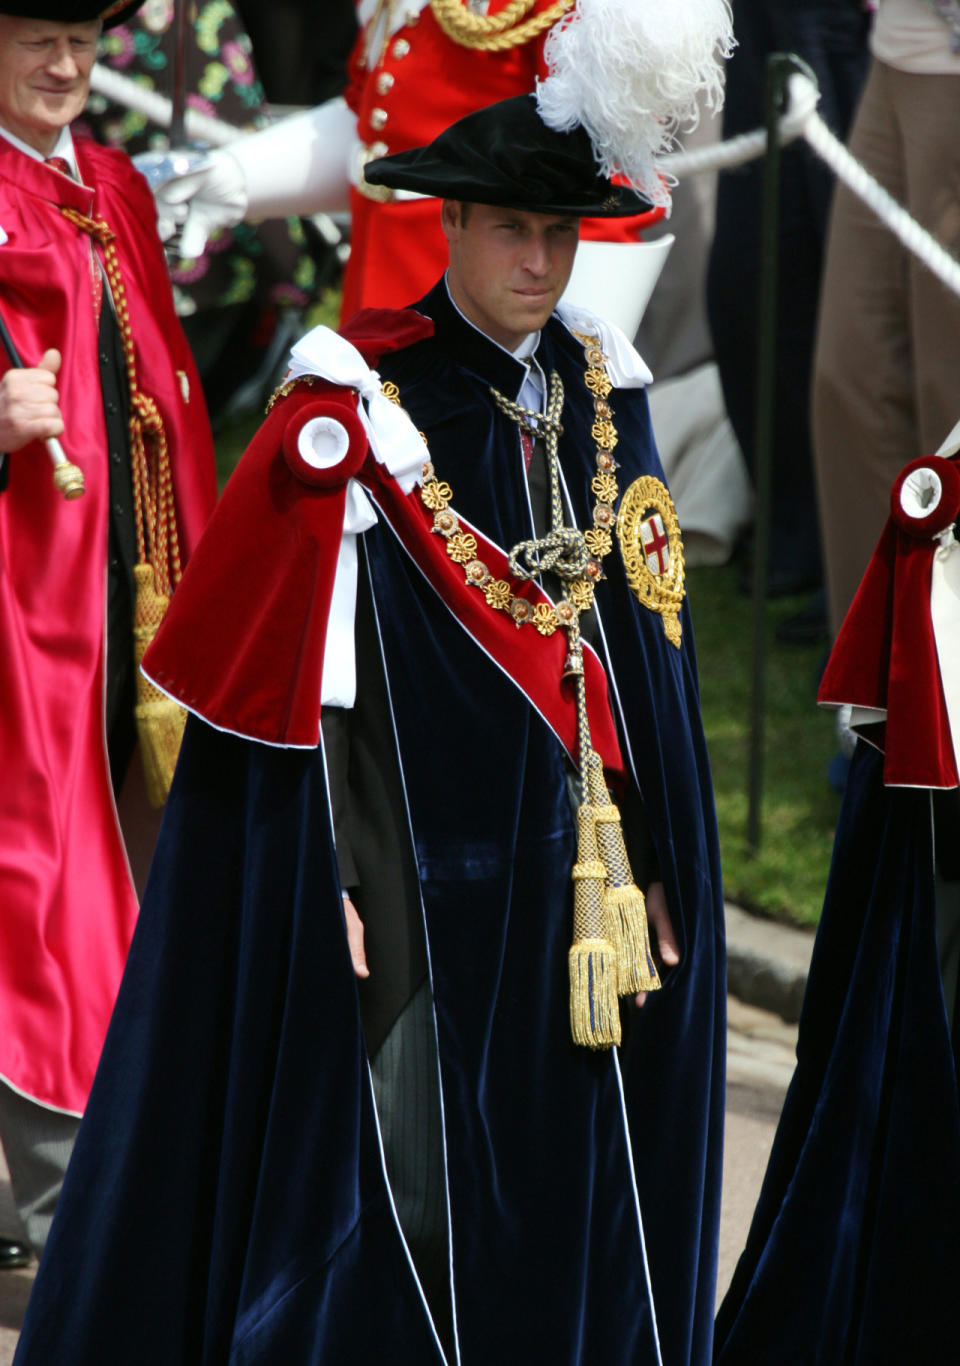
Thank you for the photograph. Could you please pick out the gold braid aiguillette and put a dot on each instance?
(610, 954)
(159, 719)
(610, 951)
(593, 960)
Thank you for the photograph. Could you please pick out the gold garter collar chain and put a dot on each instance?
(610, 955)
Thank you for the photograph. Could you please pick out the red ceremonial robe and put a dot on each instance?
(66, 895)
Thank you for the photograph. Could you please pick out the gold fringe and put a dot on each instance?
(636, 969)
(623, 901)
(594, 1010)
(594, 1002)
(160, 720)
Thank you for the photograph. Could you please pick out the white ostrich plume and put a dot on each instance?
(634, 72)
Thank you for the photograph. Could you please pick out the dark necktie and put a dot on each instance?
(60, 164)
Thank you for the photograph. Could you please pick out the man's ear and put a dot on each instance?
(451, 219)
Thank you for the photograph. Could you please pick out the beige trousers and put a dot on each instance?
(886, 381)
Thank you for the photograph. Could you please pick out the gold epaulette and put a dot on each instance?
(497, 32)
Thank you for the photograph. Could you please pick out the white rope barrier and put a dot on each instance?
(717, 156)
(158, 108)
(802, 120)
(846, 167)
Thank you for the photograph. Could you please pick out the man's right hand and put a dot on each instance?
(30, 404)
(355, 938)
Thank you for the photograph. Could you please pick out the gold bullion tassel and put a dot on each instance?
(623, 901)
(160, 720)
(594, 1004)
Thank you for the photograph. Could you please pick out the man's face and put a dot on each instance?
(44, 76)
(508, 267)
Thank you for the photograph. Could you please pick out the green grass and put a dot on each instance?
(785, 877)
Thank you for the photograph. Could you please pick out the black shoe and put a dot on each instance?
(13, 1254)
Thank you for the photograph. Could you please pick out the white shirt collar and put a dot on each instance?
(527, 347)
(64, 148)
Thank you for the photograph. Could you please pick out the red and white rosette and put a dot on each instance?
(896, 661)
(323, 445)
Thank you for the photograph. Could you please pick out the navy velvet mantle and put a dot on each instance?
(676, 1114)
(226, 1202)
(852, 1256)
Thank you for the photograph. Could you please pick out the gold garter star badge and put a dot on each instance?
(652, 550)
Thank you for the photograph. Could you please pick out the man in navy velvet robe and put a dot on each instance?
(277, 1166)
(852, 1253)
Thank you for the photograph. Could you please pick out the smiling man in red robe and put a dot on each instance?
(105, 368)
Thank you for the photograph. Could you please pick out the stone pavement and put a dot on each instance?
(761, 1053)
(767, 962)
(767, 967)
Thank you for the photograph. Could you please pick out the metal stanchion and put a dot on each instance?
(183, 23)
(779, 68)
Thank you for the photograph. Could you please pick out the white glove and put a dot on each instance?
(212, 195)
(299, 165)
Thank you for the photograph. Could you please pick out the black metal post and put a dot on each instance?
(779, 67)
(183, 18)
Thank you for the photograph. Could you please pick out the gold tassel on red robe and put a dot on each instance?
(160, 720)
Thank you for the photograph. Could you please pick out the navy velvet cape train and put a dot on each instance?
(226, 1201)
(852, 1256)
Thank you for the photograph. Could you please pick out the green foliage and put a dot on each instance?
(785, 878)
(231, 442)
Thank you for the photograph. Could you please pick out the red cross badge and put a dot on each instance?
(655, 543)
(652, 550)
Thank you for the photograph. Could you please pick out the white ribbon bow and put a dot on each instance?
(625, 366)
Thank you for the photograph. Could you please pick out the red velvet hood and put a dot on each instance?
(887, 662)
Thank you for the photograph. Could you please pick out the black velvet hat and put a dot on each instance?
(72, 11)
(506, 155)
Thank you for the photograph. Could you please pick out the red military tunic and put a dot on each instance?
(67, 902)
(405, 91)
